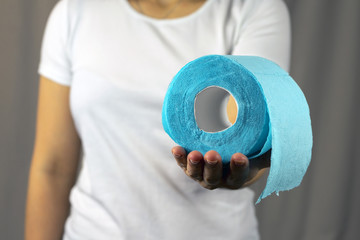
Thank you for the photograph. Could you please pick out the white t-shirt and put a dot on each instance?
(118, 64)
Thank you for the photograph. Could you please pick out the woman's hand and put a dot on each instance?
(209, 171)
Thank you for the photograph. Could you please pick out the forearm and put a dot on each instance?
(47, 204)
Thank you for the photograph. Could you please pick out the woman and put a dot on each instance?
(105, 67)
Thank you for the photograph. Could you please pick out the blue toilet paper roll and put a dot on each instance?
(272, 114)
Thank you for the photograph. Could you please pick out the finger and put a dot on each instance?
(212, 170)
(180, 156)
(195, 165)
(239, 170)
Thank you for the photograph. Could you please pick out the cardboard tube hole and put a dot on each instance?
(211, 109)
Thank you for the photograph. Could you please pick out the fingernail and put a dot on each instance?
(194, 162)
(240, 163)
(177, 156)
(211, 162)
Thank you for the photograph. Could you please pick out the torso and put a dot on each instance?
(130, 186)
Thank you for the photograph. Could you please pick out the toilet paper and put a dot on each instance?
(272, 114)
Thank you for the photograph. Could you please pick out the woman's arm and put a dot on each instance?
(54, 164)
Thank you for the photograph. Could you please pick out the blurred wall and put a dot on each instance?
(325, 63)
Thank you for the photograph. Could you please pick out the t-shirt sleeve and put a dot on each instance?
(54, 58)
(266, 32)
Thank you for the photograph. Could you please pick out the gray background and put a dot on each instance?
(325, 63)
